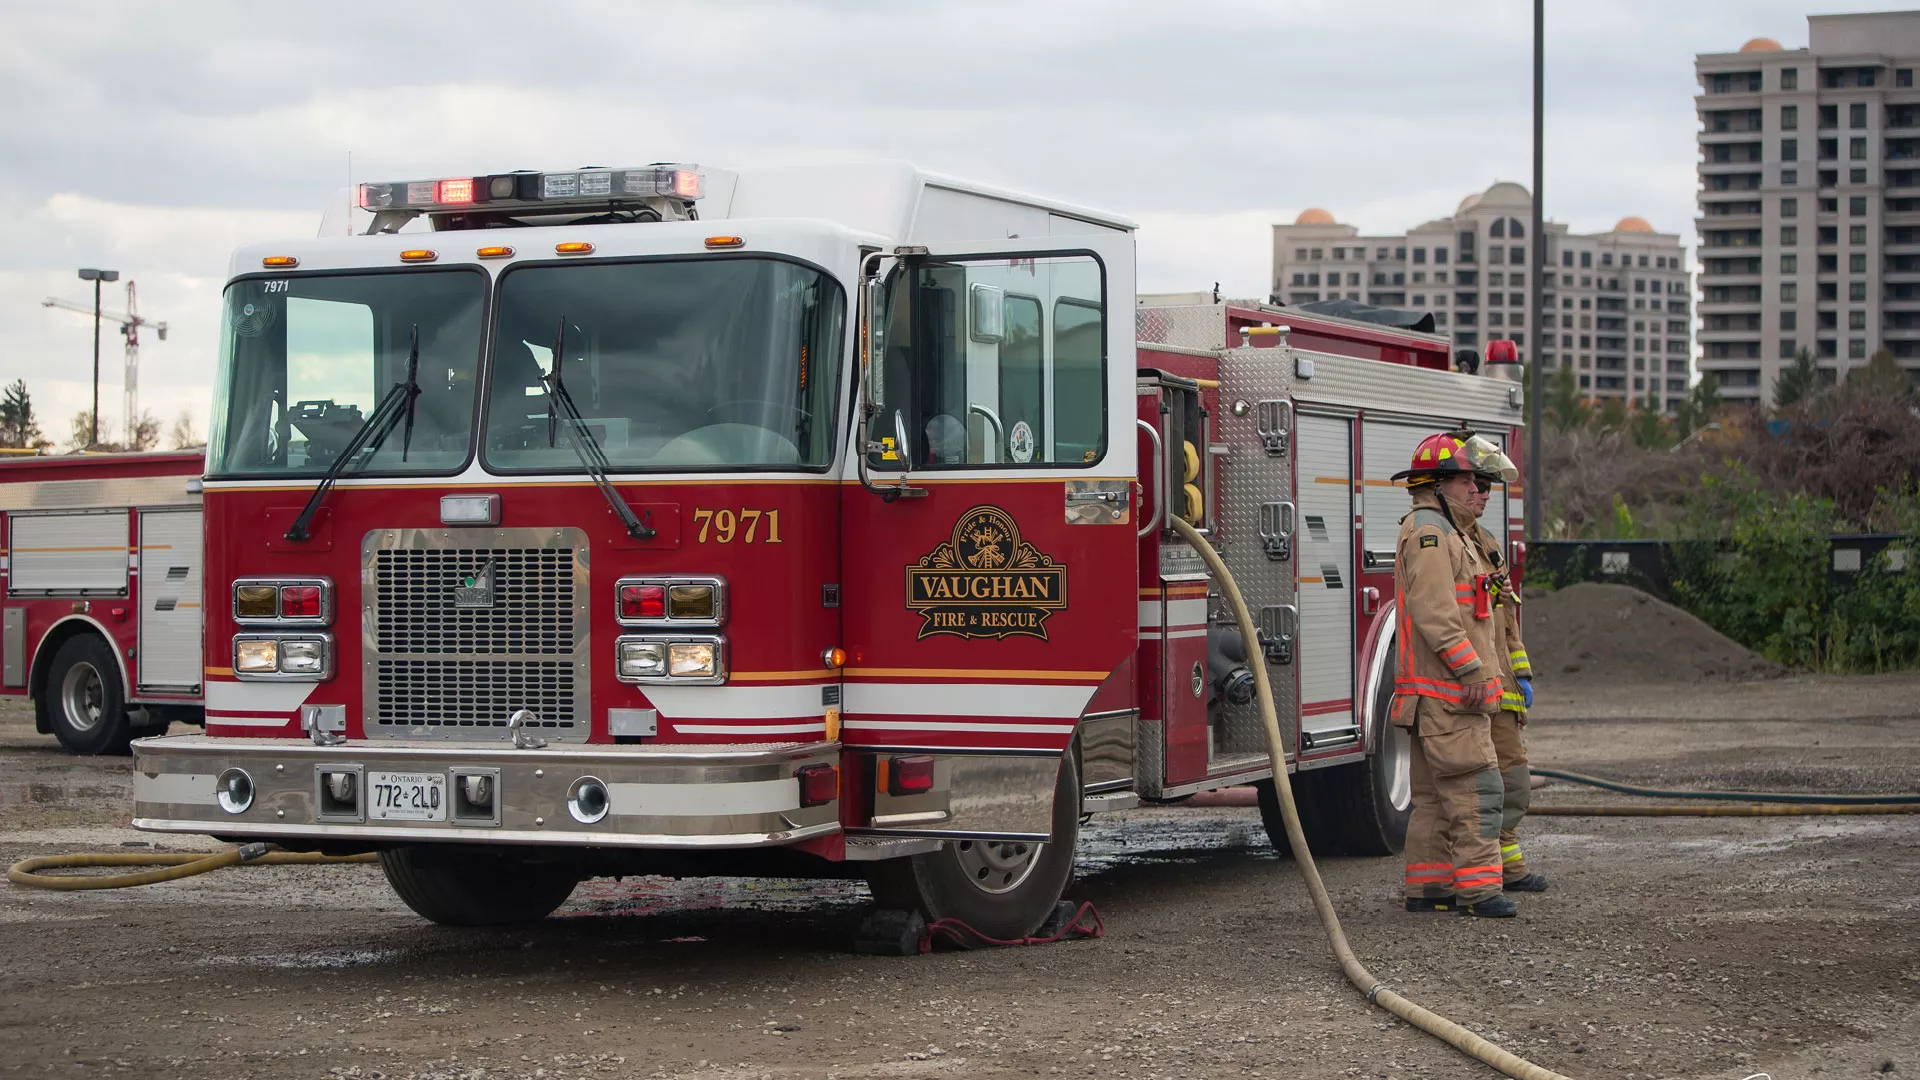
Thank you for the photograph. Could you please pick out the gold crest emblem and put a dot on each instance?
(986, 582)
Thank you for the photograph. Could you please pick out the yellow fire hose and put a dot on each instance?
(1721, 810)
(177, 865)
(1363, 980)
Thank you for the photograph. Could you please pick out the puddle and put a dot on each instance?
(331, 959)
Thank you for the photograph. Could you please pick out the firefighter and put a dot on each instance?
(1516, 697)
(1448, 684)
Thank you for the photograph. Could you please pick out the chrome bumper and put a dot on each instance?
(659, 796)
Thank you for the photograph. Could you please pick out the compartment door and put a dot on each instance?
(170, 600)
(1323, 573)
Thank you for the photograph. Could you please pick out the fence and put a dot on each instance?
(1648, 564)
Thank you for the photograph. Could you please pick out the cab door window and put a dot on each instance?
(993, 362)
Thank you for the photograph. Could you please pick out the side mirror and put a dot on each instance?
(873, 345)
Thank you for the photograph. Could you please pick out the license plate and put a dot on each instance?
(403, 796)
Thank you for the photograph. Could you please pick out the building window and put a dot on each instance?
(1829, 235)
(1379, 254)
(1857, 263)
(1313, 279)
(1789, 78)
(1419, 256)
(1829, 116)
(1856, 291)
(1789, 149)
(1400, 254)
(1789, 117)
(1857, 348)
(1586, 381)
(1496, 255)
(1829, 206)
(1316, 255)
(1639, 285)
(1419, 277)
(1518, 339)
(1517, 256)
(1494, 299)
(1856, 320)
(1399, 277)
(1786, 348)
(1789, 207)
(1566, 258)
(1789, 236)
(1643, 262)
(1789, 263)
(1299, 279)
(1498, 229)
(1299, 254)
(1419, 300)
(1789, 177)
(1857, 206)
(1439, 256)
(1566, 341)
(1439, 277)
(1856, 234)
(1788, 320)
(1856, 176)
(1857, 115)
(1517, 299)
(1903, 76)
(1586, 260)
(1496, 318)
(1857, 149)
(1353, 279)
(1439, 318)
(1787, 292)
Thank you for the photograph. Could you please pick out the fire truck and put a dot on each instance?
(808, 521)
(100, 625)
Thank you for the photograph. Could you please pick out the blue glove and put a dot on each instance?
(1526, 691)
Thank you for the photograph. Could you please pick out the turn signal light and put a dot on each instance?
(690, 601)
(907, 774)
(643, 601)
(256, 601)
(834, 658)
(819, 784)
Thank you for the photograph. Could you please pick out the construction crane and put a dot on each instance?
(130, 323)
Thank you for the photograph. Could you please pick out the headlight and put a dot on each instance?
(256, 657)
(643, 659)
(306, 657)
(689, 660)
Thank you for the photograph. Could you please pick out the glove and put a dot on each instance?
(1526, 691)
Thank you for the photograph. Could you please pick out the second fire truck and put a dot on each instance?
(807, 521)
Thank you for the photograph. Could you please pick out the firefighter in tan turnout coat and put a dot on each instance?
(1448, 685)
(1516, 697)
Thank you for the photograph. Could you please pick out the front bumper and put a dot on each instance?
(659, 796)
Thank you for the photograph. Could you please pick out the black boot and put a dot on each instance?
(1530, 883)
(1430, 903)
(1493, 907)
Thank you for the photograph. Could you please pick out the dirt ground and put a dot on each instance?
(1666, 948)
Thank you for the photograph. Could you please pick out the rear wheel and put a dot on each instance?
(1002, 888)
(454, 887)
(85, 703)
(1310, 799)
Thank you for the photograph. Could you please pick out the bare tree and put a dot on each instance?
(182, 436)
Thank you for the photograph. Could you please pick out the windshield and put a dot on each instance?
(306, 359)
(674, 364)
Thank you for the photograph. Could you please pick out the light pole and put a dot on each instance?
(1536, 505)
(96, 276)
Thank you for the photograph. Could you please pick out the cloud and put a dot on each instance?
(153, 137)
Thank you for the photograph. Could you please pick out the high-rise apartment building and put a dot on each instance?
(1810, 201)
(1618, 303)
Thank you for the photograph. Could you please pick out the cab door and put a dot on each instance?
(990, 568)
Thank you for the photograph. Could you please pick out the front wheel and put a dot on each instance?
(454, 887)
(1374, 800)
(86, 705)
(1003, 888)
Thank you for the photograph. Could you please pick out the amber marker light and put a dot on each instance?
(500, 251)
(279, 262)
(418, 255)
(726, 241)
(834, 658)
(573, 247)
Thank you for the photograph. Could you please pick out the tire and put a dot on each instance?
(1309, 798)
(85, 704)
(453, 887)
(1373, 799)
(1003, 889)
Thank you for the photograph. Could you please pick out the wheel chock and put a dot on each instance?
(889, 932)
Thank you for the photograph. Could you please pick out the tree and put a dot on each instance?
(1796, 382)
(1648, 428)
(81, 437)
(146, 432)
(1563, 405)
(19, 429)
(1882, 375)
(182, 437)
(1613, 414)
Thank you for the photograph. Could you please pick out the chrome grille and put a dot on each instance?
(437, 667)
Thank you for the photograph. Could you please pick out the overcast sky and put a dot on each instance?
(152, 138)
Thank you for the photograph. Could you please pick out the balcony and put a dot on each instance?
(1720, 337)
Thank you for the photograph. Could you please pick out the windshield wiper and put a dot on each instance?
(398, 403)
(585, 446)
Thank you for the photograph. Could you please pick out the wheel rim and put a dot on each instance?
(1396, 751)
(997, 866)
(82, 697)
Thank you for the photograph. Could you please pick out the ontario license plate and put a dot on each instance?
(402, 796)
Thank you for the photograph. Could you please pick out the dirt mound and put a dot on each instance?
(1592, 631)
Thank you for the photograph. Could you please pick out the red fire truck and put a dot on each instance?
(101, 620)
(807, 521)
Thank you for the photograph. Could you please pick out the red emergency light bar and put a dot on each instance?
(590, 187)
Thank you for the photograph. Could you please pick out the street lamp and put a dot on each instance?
(97, 276)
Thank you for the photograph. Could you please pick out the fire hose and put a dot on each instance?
(177, 865)
(1756, 803)
(1363, 980)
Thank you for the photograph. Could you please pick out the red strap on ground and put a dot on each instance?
(1086, 923)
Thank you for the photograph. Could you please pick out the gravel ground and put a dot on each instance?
(1667, 947)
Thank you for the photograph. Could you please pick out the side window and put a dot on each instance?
(993, 362)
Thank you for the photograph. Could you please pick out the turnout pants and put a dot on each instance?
(1510, 746)
(1457, 802)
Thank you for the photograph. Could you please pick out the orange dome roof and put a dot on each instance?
(1314, 216)
(1761, 44)
(1631, 223)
